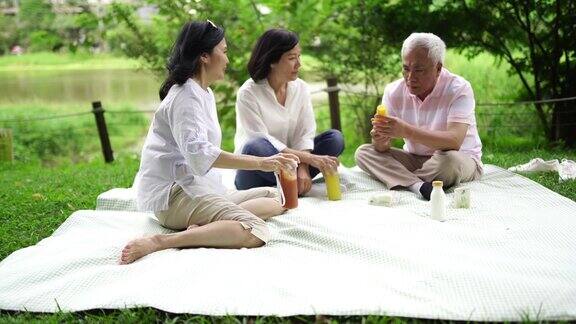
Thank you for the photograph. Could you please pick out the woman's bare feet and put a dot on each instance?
(138, 248)
(141, 247)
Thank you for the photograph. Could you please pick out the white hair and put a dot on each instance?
(435, 46)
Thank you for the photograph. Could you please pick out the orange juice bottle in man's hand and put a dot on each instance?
(381, 111)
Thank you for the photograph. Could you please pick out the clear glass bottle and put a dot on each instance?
(438, 201)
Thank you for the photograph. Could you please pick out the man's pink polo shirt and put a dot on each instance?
(451, 100)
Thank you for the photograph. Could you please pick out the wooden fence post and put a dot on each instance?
(6, 150)
(102, 131)
(334, 103)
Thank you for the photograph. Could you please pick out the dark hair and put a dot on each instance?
(268, 49)
(195, 39)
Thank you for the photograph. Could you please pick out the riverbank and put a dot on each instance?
(65, 61)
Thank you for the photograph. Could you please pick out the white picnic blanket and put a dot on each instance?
(511, 257)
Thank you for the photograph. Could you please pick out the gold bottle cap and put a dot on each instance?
(437, 183)
(381, 110)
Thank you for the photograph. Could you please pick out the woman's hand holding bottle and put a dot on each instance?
(323, 162)
(278, 162)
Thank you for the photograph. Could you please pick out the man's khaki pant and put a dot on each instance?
(399, 168)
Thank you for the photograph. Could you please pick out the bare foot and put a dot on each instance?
(138, 248)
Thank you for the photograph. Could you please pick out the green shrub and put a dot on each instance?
(43, 40)
(71, 138)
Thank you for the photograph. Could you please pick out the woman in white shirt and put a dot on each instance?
(274, 114)
(177, 180)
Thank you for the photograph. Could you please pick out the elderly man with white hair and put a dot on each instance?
(433, 111)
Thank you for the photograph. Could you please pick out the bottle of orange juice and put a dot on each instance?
(332, 184)
(381, 110)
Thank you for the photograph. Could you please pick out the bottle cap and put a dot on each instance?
(437, 183)
(381, 110)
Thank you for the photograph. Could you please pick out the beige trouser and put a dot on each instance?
(184, 210)
(399, 168)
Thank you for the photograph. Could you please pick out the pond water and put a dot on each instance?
(136, 87)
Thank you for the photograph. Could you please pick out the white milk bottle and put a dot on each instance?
(438, 201)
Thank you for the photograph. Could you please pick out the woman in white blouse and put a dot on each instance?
(274, 114)
(177, 180)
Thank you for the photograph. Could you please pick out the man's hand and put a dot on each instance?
(379, 140)
(304, 179)
(391, 127)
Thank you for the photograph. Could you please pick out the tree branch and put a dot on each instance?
(258, 14)
(526, 25)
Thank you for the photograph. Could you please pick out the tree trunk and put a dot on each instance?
(564, 123)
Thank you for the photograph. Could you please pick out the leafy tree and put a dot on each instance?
(359, 41)
(87, 33)
(8, 33)
(35, 25)
(43, 27)
(35, 15)
(333, 31)
(42, 40)
(352, 48)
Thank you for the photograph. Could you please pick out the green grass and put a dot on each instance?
(489, 77)
(549, 180)
(151, 315)
(310, 68)
(68, 61)
(36, 200)
(492, 83)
